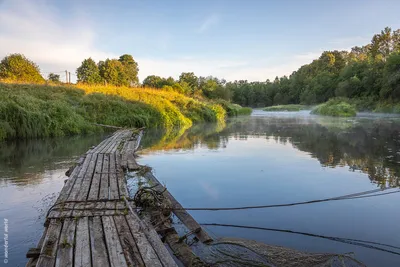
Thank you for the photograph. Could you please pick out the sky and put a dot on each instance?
(250, 40)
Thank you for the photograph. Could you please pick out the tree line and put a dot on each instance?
(370, 73)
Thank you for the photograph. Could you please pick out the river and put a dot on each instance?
(266, 158)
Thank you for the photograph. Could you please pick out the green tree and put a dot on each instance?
(54, 78)
(191, 80)
(131, 69)
(88, 72)
(17, 67)
(113, 72)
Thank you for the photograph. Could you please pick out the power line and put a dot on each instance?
(364, 194)
(356, 242)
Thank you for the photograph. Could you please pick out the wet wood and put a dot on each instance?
(182, 214)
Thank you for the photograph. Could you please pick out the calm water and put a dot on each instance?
(268, 158)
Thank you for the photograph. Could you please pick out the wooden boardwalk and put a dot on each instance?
(92, 223)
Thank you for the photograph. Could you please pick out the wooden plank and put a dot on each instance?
(114, 192)
(112, 140)
(132, 254)
(82, 244)
(65, 255)
(146, 250)
(124, 156)
(87, 180)
(182, 214)
(77, 185)
(48, 251)
(103, 192)
(97, 244)
(115, 251)
(162, 252)
(122, 187)
(95, 187)
(65, 191)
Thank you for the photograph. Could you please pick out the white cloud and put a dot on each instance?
(208, 23)
(34, 29)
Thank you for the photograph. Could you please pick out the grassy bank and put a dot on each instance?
(335, 107)
(234, 110)
(30, 111)
(293, 107)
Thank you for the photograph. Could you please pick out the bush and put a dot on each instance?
(16, 67)
(233, 110)
(292, 107)
(335, 107)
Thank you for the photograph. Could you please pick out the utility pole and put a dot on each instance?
(66, 76)
(69, 77)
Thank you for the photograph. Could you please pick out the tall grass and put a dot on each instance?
(290, 107)
(29, 111)
(336, 107)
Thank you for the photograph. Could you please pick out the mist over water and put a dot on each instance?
(267, 158)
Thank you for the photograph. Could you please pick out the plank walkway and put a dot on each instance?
(92, 223)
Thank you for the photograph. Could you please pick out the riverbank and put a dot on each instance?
(32, 111)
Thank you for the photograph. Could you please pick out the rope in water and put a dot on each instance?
(357, 242)
(364, 194)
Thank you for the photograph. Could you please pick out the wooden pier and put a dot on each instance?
(94, 223)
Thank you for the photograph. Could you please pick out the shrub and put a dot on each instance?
(335, 107)
(16, 67)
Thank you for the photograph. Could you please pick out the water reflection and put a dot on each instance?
(368, 144)
(23, 162)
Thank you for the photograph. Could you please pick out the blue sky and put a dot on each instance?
(253, 39)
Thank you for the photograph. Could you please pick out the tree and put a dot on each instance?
(191, 80)
(113, 72)
(17, 67)
(131, 69)
(54, 78)
(88, 72)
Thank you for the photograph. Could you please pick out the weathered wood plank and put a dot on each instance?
(65, 191)
(115, 251)
(97, 244)
(113, 139)
(132, 254)
(122, 187)
(82, 246)
(162, 252)
(114, 192)
(48, 252)
(95, 187)
(146, 250)
(87, 179)
(65, 254)
(182, 214)
(104, 183)
(78, 181)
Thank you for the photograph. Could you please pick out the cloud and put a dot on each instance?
(33, 29)
(208, 23)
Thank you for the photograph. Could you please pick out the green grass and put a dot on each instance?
(291, 107)
(234, 110)
(387, 108)
(336, 107)
(32, 111)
